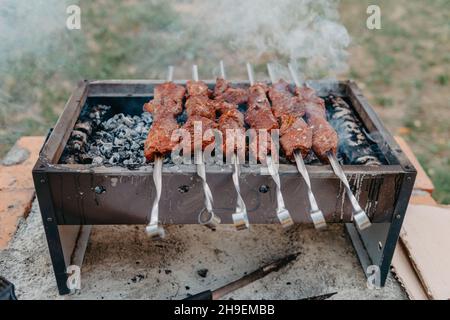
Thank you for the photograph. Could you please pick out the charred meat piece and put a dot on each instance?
(168, 100)
(325, 138)
(259, 113)
(197, 88)
(223, 91)
(201, 125)
(295, 135)
(166, 105)
(259, 116)
(284, 102)
(159, 140)
(223, 106)
(231, 124)
(201, 106)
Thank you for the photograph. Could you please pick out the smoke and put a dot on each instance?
(307, 32)
(29, 27)
(41, 60)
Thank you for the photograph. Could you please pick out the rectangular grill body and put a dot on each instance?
(70, 204)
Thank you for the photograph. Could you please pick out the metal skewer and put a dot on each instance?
(282, 213)
(154, 229)
(315, 213)
(207, 217)
(360, 217)
(240, 217)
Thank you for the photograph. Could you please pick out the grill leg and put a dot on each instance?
(375, 245)
(66, 244)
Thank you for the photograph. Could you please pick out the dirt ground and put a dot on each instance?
(122, 263)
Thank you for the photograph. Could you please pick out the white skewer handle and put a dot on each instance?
(207, 217)
(316, 214)
(282, 213)
(154, 229)
(240, 217)
(361, 219)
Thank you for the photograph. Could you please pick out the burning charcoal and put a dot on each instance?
(135, 146)
(97, 160)
(79, 135)
(147, 118)
(115, 159)
(119, 142)
(106, 148)
(83, 127)
(354, 147)
(77, 145)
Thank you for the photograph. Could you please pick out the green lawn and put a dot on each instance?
(403, 68)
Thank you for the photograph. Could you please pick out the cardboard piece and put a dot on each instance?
(426, 239)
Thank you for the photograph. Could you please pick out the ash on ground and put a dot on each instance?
(100, 138)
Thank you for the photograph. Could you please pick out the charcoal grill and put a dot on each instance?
(73, 197)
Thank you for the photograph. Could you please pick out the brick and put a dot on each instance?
(17, 189)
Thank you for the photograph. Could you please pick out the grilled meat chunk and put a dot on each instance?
(259, 114)
(295, 135)
(325, 138)
(197, 88)
(201, 124)
(231, 124)
(201, 105)
(168, 100)
(223, 91)
(159, 140)
(284, 102)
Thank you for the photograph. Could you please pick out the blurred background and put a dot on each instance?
(403, 69)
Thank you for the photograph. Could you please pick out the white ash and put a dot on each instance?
(120, 140)
(114, 141)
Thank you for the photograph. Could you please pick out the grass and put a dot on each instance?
(405, 72)
(403, 68)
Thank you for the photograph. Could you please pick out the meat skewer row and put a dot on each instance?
(259, 116)
(296, 136)
(325, 142)
(231, 122)
(201, 110)
(165, 106)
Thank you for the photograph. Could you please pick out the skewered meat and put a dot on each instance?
(223, 106)
(168, 100)
(295, 135)
(166, 105)
(197, 88)
(159, 140)
(201, 106)
(200, 109)
(284, 102)
(223, 91)
(259, 116)
(231, 121)
(325, 138)
(231, 124)
(206, 124)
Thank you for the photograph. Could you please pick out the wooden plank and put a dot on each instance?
(427, 242)
(423, 182)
